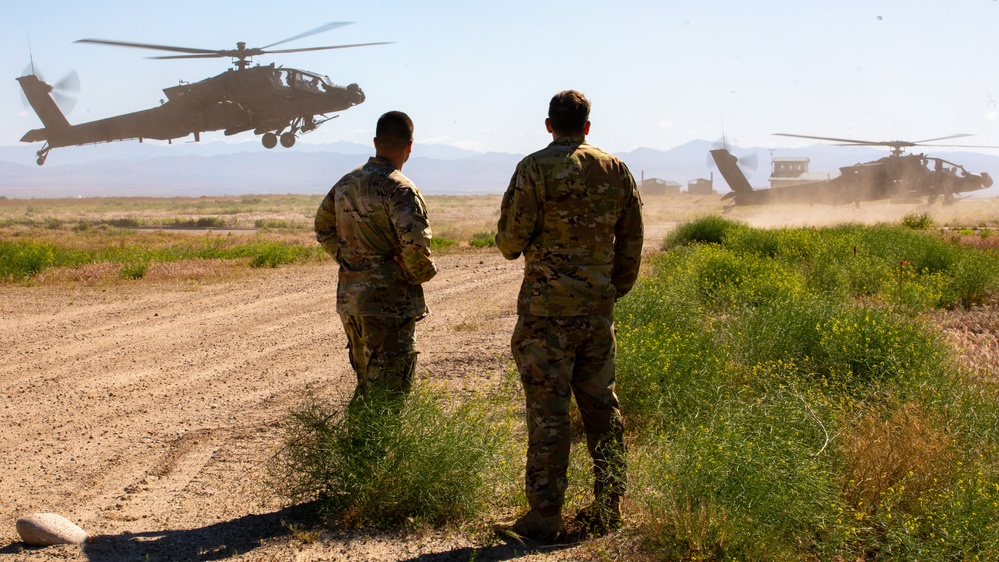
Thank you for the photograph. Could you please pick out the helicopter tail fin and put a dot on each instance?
(40, 98)
(728, 165)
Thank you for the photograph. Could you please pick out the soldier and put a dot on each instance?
(574, 211)
(374, 224)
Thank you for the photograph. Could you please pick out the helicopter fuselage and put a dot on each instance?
(264, 99)
(897, 178)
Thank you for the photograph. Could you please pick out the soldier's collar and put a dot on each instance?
(570, 139)
(381, 161)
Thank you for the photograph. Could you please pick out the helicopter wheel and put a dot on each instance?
(288, 139)
(269, 140)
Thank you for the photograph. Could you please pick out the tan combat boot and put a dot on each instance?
(600, 517)
(537, 524)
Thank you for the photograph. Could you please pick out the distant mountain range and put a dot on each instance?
(132, 169)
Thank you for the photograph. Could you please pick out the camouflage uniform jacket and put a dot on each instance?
(374, 223)
(574, 211)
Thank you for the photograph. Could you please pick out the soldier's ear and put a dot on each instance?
(548, 125)
(586, 128)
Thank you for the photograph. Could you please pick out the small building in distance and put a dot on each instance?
(701, 186)
(656, 186)
(793, 170)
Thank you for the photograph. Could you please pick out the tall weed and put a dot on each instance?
(386, 461)
(792, 403)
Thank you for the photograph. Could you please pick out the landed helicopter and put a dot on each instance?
(899, 177)
(275, 102)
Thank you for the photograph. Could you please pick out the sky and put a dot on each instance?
(479, 74)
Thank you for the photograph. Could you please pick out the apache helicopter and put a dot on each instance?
(898, 177)
(276, 102)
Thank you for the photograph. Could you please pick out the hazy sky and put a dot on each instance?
(479, 75)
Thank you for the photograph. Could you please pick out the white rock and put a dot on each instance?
(45, 529)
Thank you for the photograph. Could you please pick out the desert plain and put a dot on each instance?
(146, 410)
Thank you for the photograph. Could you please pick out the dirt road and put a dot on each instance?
(145, 411)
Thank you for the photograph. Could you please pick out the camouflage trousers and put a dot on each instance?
(382, 352)
(558, 358)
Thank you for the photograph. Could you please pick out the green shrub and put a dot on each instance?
(917, 221)
(133, 270)
(272, 254)
(969, 281)
(791, 402)
(23, 259)
(385, 462)
(665, 360)
(782, 330)
(125, 223)
(751, 479)
(482, 240)
(438, 242)
(276, 224)
(210, 222)
(866, 345)
(710, 229)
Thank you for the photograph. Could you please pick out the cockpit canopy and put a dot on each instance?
(302, 80)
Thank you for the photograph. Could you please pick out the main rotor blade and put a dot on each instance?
(963, 145)
(945, 138)
(304, 49)
(213, 55)
(320, 29)
(827, 138)
(146, 46)
(256, 52)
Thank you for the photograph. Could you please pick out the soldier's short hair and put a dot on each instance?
(394, 129)
(568, 112)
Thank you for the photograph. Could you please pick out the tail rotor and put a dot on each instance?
(64, 92)
(746, 160)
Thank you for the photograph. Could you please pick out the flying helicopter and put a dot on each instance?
(898, 177)
(277, 103)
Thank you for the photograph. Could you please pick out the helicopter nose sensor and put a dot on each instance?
(356, 94)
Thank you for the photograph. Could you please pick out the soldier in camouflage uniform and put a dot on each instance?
(574, 212)
(374, 224)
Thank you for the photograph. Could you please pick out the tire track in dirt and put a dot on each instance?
(147, 407)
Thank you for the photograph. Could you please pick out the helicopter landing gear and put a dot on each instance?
(269, 140)
(42, 155)
(288, 139)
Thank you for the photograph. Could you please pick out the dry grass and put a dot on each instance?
(460, 217)
(453, 217)
(893, 453)
(975, 335)
(108, 273)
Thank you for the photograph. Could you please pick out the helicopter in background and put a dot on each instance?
(899, 177)
(277, 103)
